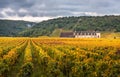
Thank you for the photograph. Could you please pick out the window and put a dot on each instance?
(82, 33)
(89, 33)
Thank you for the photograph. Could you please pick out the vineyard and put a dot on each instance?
(59, 57)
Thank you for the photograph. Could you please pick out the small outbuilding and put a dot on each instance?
(67, 34)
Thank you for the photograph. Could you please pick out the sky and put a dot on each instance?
(39, 10)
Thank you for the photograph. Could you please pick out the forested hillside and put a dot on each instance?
(12, 28)
(47, 28)
(53, 27)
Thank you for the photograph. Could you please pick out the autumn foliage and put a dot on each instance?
(59, 57)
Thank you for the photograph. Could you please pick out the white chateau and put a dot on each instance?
(86, 34)
(81, 34)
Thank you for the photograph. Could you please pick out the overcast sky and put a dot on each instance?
(38, 10)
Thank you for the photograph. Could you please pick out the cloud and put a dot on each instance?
(34, 9)
(28, 18)
(21, 10)
(7, 11)
(87, 14)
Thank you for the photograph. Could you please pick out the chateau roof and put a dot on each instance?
(86, 31)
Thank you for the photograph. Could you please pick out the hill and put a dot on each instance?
(12, 28)
(110, 35)
(50, 27)
(54, 27)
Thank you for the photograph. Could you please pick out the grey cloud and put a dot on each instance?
(54, 8)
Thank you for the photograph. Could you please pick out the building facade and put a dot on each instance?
(81, 34)
(86, 34)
